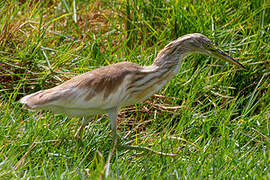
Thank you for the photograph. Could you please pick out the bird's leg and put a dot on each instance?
(113, 117)
(79, 131)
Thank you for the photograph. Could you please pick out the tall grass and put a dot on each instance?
(213, 115)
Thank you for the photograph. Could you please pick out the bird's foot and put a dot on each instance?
(145, 149)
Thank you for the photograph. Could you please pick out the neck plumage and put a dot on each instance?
(152, 78)
(170, 57)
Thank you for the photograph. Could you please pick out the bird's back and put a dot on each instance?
(95, 91)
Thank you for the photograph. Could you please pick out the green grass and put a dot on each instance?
(221, 129)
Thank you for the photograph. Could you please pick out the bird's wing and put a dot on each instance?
(102, 88)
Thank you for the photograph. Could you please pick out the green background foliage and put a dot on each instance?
(215, 116)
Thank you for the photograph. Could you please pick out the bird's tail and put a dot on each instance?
(31, 101)
(39, 100)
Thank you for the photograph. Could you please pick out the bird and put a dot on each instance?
(107, 89)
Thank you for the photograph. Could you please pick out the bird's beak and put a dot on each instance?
(222, 55)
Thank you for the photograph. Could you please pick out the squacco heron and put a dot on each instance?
(107, 89)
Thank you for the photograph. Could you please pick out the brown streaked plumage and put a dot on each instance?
(109, 88)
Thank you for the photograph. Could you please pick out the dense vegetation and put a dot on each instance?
(215, 116)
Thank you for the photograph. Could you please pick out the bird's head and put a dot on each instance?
(197, 42)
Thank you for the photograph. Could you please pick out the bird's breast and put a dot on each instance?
(141, 91)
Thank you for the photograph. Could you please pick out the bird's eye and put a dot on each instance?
(210, 46)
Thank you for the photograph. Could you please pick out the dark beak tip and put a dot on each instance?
(246, 69)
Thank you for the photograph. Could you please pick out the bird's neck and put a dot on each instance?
(163, 69)
(170, 57)
(168, 65)
(169, 61)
